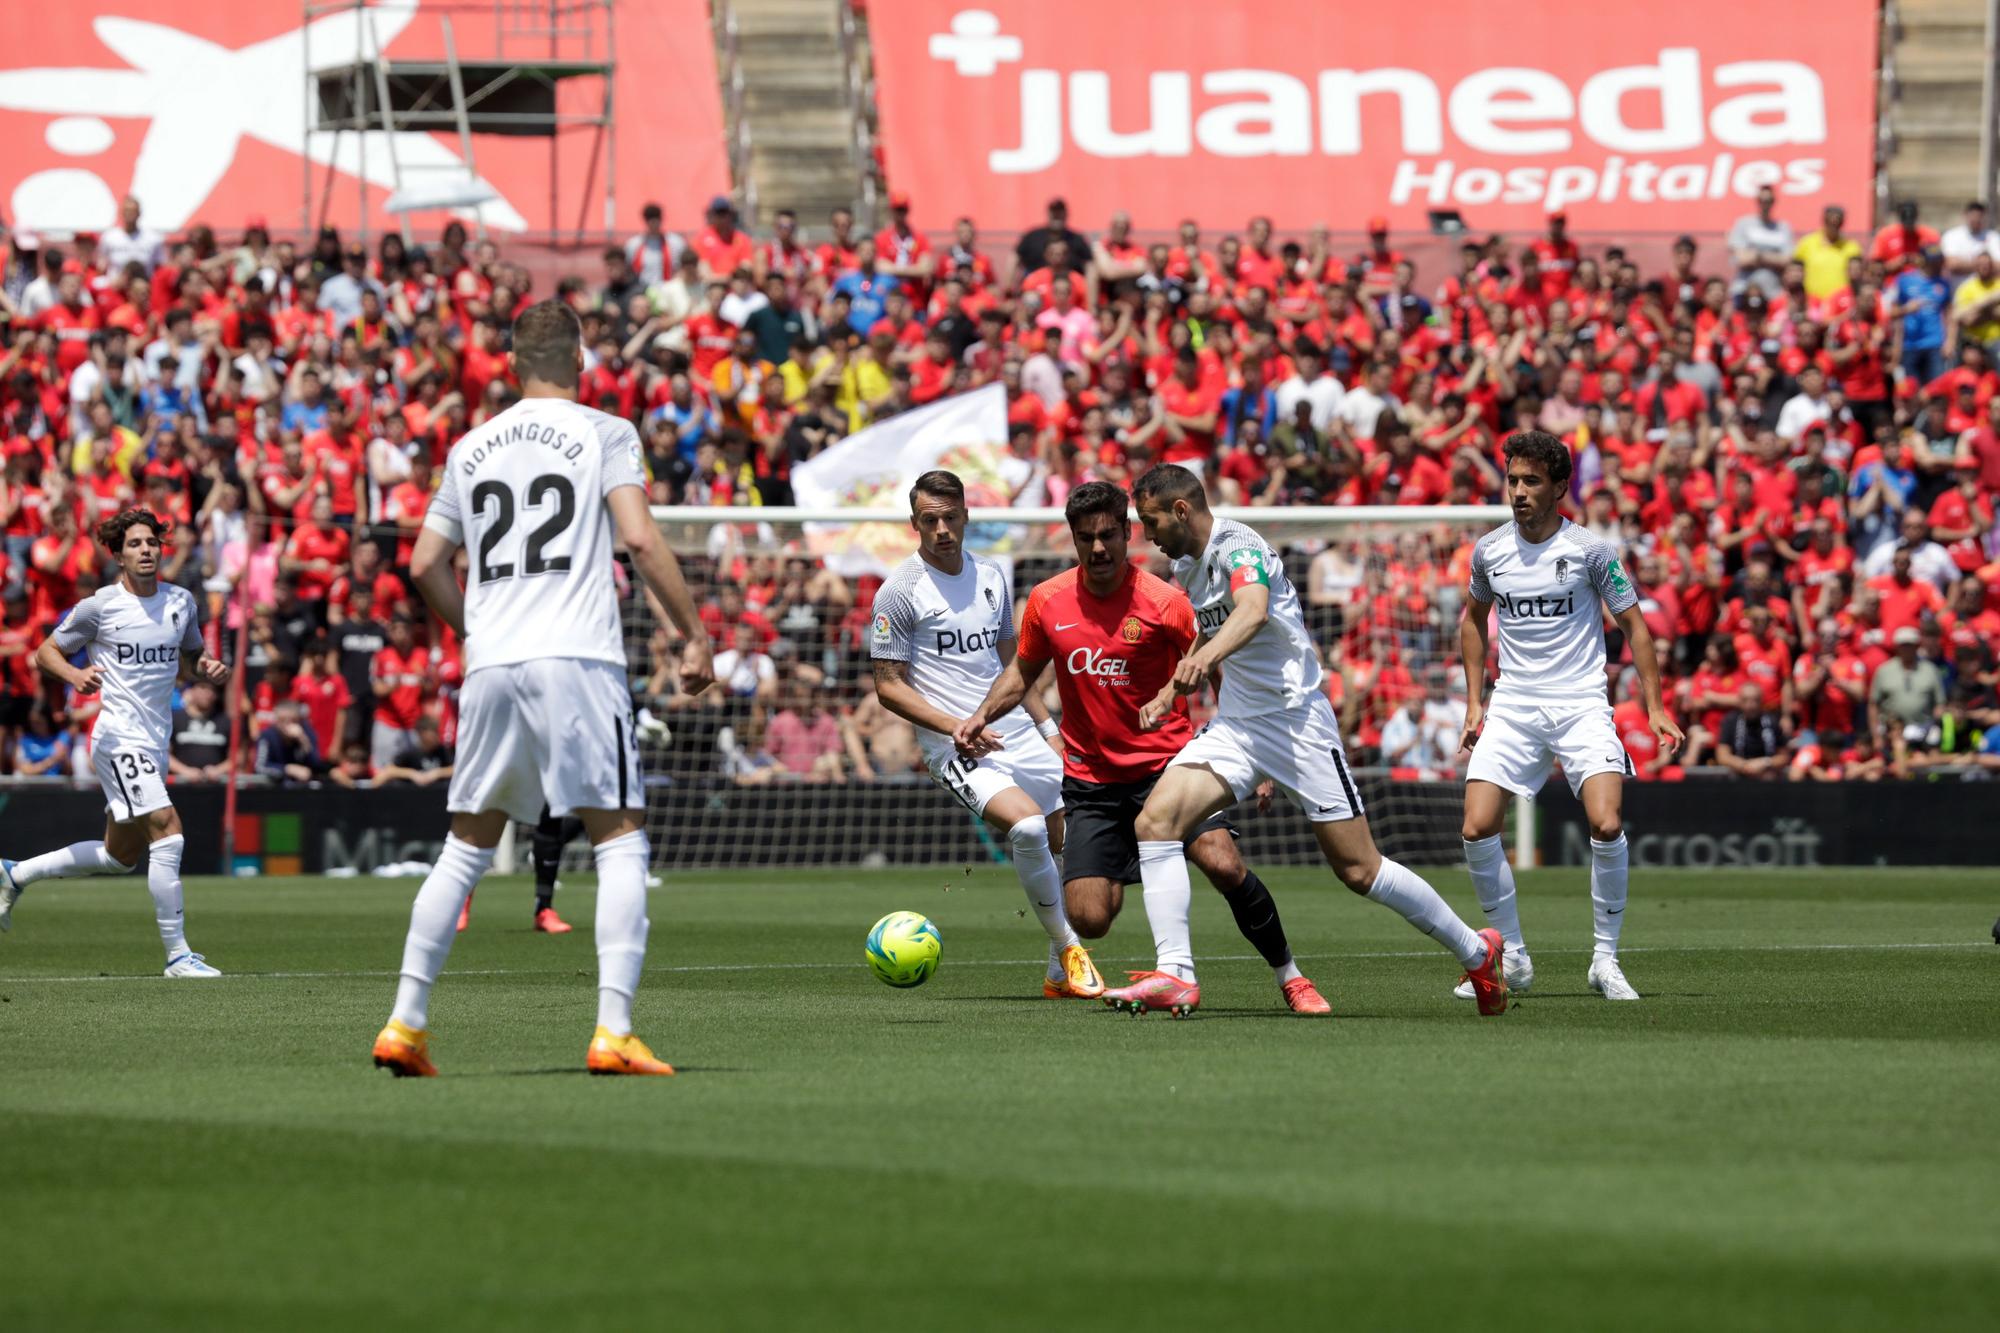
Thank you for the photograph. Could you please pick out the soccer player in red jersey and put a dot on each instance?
(1114, 634)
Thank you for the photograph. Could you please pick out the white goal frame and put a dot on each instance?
(682, 518)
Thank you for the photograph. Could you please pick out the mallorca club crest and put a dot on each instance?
(1562, 569)
(1131, 630)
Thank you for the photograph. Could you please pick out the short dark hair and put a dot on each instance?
(546, 339)
(940, 485)
(1096, 497)
(1538, 446)
(1170, 482)
(111, 532)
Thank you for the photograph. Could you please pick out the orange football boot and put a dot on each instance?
(1489, 983)
(402, 1050)
(1080, 980)
(548, 923)
(465, 912)
(622, 1055)
(1304, 997)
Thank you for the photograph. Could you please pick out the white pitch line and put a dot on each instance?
(1019, 962)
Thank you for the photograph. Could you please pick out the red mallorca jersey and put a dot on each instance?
(1112, 655)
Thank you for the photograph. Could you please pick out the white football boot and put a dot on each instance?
(191, 965)
(1516, 967)
(9, 891)
(1608, 979)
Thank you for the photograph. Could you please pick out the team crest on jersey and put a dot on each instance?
(1131, 630)
(1562, 569)
(992, 603)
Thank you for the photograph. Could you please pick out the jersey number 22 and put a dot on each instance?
(535, 559)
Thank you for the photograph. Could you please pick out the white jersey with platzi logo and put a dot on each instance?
(524, 494)
(1551, 599)
(949, 628)
(138, 642)
(1278, 669)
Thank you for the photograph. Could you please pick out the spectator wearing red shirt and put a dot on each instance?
(841, 254)
(722, 247)
(1377, 264)
(71, 321)
(1556, 257)
(55, 563)
(721, 617)
(1186, 417)
(1400, 473)
(1831, 686)
(399, 676)
(1766, 659)
(1904, 598)
(1980, 447)
(405, 506)
(1900, 244)
(902, 252)
(316, 552)
(1666, 398)
(320, 689)
(365, 572)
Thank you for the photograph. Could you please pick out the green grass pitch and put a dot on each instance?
(1796, 1129)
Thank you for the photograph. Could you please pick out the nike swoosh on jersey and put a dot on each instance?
(1072, 625)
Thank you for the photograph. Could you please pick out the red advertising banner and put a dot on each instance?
(1630, 119)
(198, 108)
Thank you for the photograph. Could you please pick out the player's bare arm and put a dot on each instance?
(974, 736)
(894, 688)
(661, 572)
(437, 582)
(200, 666)
(1647, 659)
(1252, 609)
(53, 664)
(1473, 637)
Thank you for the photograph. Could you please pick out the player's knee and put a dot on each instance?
(1477, 832)
(1092, 921)
(1359, 875)
(1608, 829)
(1150, 826)
(1029, 835)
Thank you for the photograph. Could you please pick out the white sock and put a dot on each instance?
(434, 925)
(1493, 881)
(163, 881)
(1610, 867)
(1056, 972)
(1163, 868)
(621, 929)
(77, 859)
(1405, 892)
(1289, 972)
(1041, 881)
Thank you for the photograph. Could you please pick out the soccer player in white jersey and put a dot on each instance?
(140, 638)
(944, 628)
(1554, 582)
(1272, 720)
(534, 496)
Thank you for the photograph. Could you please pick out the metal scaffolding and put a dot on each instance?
(475, 67)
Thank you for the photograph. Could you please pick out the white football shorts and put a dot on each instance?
(134, 778)
(1520, 742)
(1028, 762)
(1297, 748)
(557, 729)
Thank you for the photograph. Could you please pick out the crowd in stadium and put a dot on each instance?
(1792, 434)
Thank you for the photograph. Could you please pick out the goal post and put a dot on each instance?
(789, 761)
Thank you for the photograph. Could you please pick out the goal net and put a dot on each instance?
(790, 761)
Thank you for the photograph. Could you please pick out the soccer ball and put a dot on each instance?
(903, 949)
